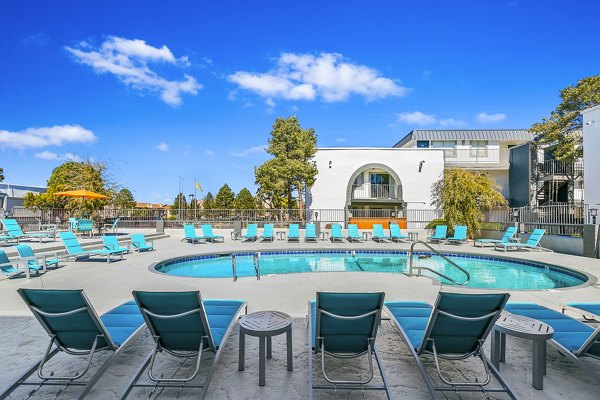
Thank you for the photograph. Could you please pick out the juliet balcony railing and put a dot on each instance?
(368, 191)
(476, 156)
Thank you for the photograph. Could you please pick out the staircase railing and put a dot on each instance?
(449, 261)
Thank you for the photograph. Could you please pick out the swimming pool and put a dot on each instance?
(486, 272)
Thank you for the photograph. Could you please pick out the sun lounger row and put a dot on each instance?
(12, 232)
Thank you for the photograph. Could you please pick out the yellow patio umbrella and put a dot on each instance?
(82, 194)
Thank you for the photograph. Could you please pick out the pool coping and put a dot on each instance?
(591, 279)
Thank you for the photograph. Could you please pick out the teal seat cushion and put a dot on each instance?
(220, 314)
(122, 321)
(569, 332)
(593, 308)
(413, 317)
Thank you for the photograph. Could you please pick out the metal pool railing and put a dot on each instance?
(449, 261)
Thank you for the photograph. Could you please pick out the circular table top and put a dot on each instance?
(265, 323)
(523, 327)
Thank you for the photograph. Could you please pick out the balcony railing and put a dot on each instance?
(369, 191)
(476, 155)
(554, 167)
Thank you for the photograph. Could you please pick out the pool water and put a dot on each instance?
(491, 273)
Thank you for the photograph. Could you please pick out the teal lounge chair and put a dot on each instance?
(293, 233)
(589, 311)
(33, 261)
(73, 224)
(439, 234)
(353, 235)
(8, 269)
(112, 243)
(310, 235)
(344, 326)
(455, 328)
(532, 243)
(378, 234)
(460, 235)
(85, 226)
(75, 250)
(138, 242)
(111, 227)
(250, 233)
(573, 339)
(396, 233)
(336, 233)
(506, 238)
(267, 233)
(13, 231)
(190, 234)
(183, 325)
(209, 236)
(76, 330)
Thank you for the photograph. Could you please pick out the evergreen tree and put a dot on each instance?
(225, 198)
(244, 200)
(209, 201)
(123, 199)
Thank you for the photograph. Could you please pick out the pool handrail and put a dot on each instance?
(410, 264)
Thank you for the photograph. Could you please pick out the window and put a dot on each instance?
(380, 185)
(422, 144)
(479, 148)
(447, 145)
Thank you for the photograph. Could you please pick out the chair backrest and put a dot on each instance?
(177, 319)
(441, 231)
(110, 242)
(71, 243)
(268, 230)
(4, 260)
(25, 250)
(460, 320)
(395, 230)
(311, 231)
(336, 230)
(12, 227)
(207, 230)
(138, 239)
(69, 316)
(535, 237)
(85, 225)
(378, 230)
(460, 232)
(294, 231)
(115, 222)
(343, 335)
(251, 231)
(190, 231)
(353, 230)
(508, 234)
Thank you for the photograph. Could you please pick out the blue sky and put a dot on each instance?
(160, 90)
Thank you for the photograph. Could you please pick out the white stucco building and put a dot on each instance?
(591, 146)
(355, 178)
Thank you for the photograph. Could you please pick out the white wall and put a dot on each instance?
(501, 178)
(329, 190)
(591, 161)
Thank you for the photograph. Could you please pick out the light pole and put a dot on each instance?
(593, 214)
(192, 196)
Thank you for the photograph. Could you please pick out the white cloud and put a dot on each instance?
(250, 150)
(48, 155)
(128, 60)
(162, 146)
(452, 123)
(48, 136)
(327, 76)
(425, 74)
(209, 153)
(486, 118)
(417, 118)
(341, 140)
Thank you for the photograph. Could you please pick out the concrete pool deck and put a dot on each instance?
(108, 285)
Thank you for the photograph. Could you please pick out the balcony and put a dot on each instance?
(477, 157)
(371, 191)
(557, 169)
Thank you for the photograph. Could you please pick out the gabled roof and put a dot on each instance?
(467, 134)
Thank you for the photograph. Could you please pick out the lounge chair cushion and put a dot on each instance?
(569, 332)
(413, 317)
(122, 321)
(593, 308)
(220, 313)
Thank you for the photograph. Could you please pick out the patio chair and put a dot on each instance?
(7, 268)
(190, 234)
(85, 226)
(209, 236)
(396, 233)
(112, 243)
(73, 224)
(573, 339)
(589, 311)
(455, 328)
(250, 233)
(439, 234)
(183, 325)
(532, 243)
(76, 330)
(75, 250)
(33, 261)
(293, 233)
(138, 242)
(14, 231)
(378, 234)
(111, 227)
(267, 233)
(310, 235)
(344, 326)
(5, 237)
(336, 233)
(460, 235)
(353, 235)
(506, 238)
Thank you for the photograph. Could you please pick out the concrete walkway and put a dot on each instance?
(108, 285)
